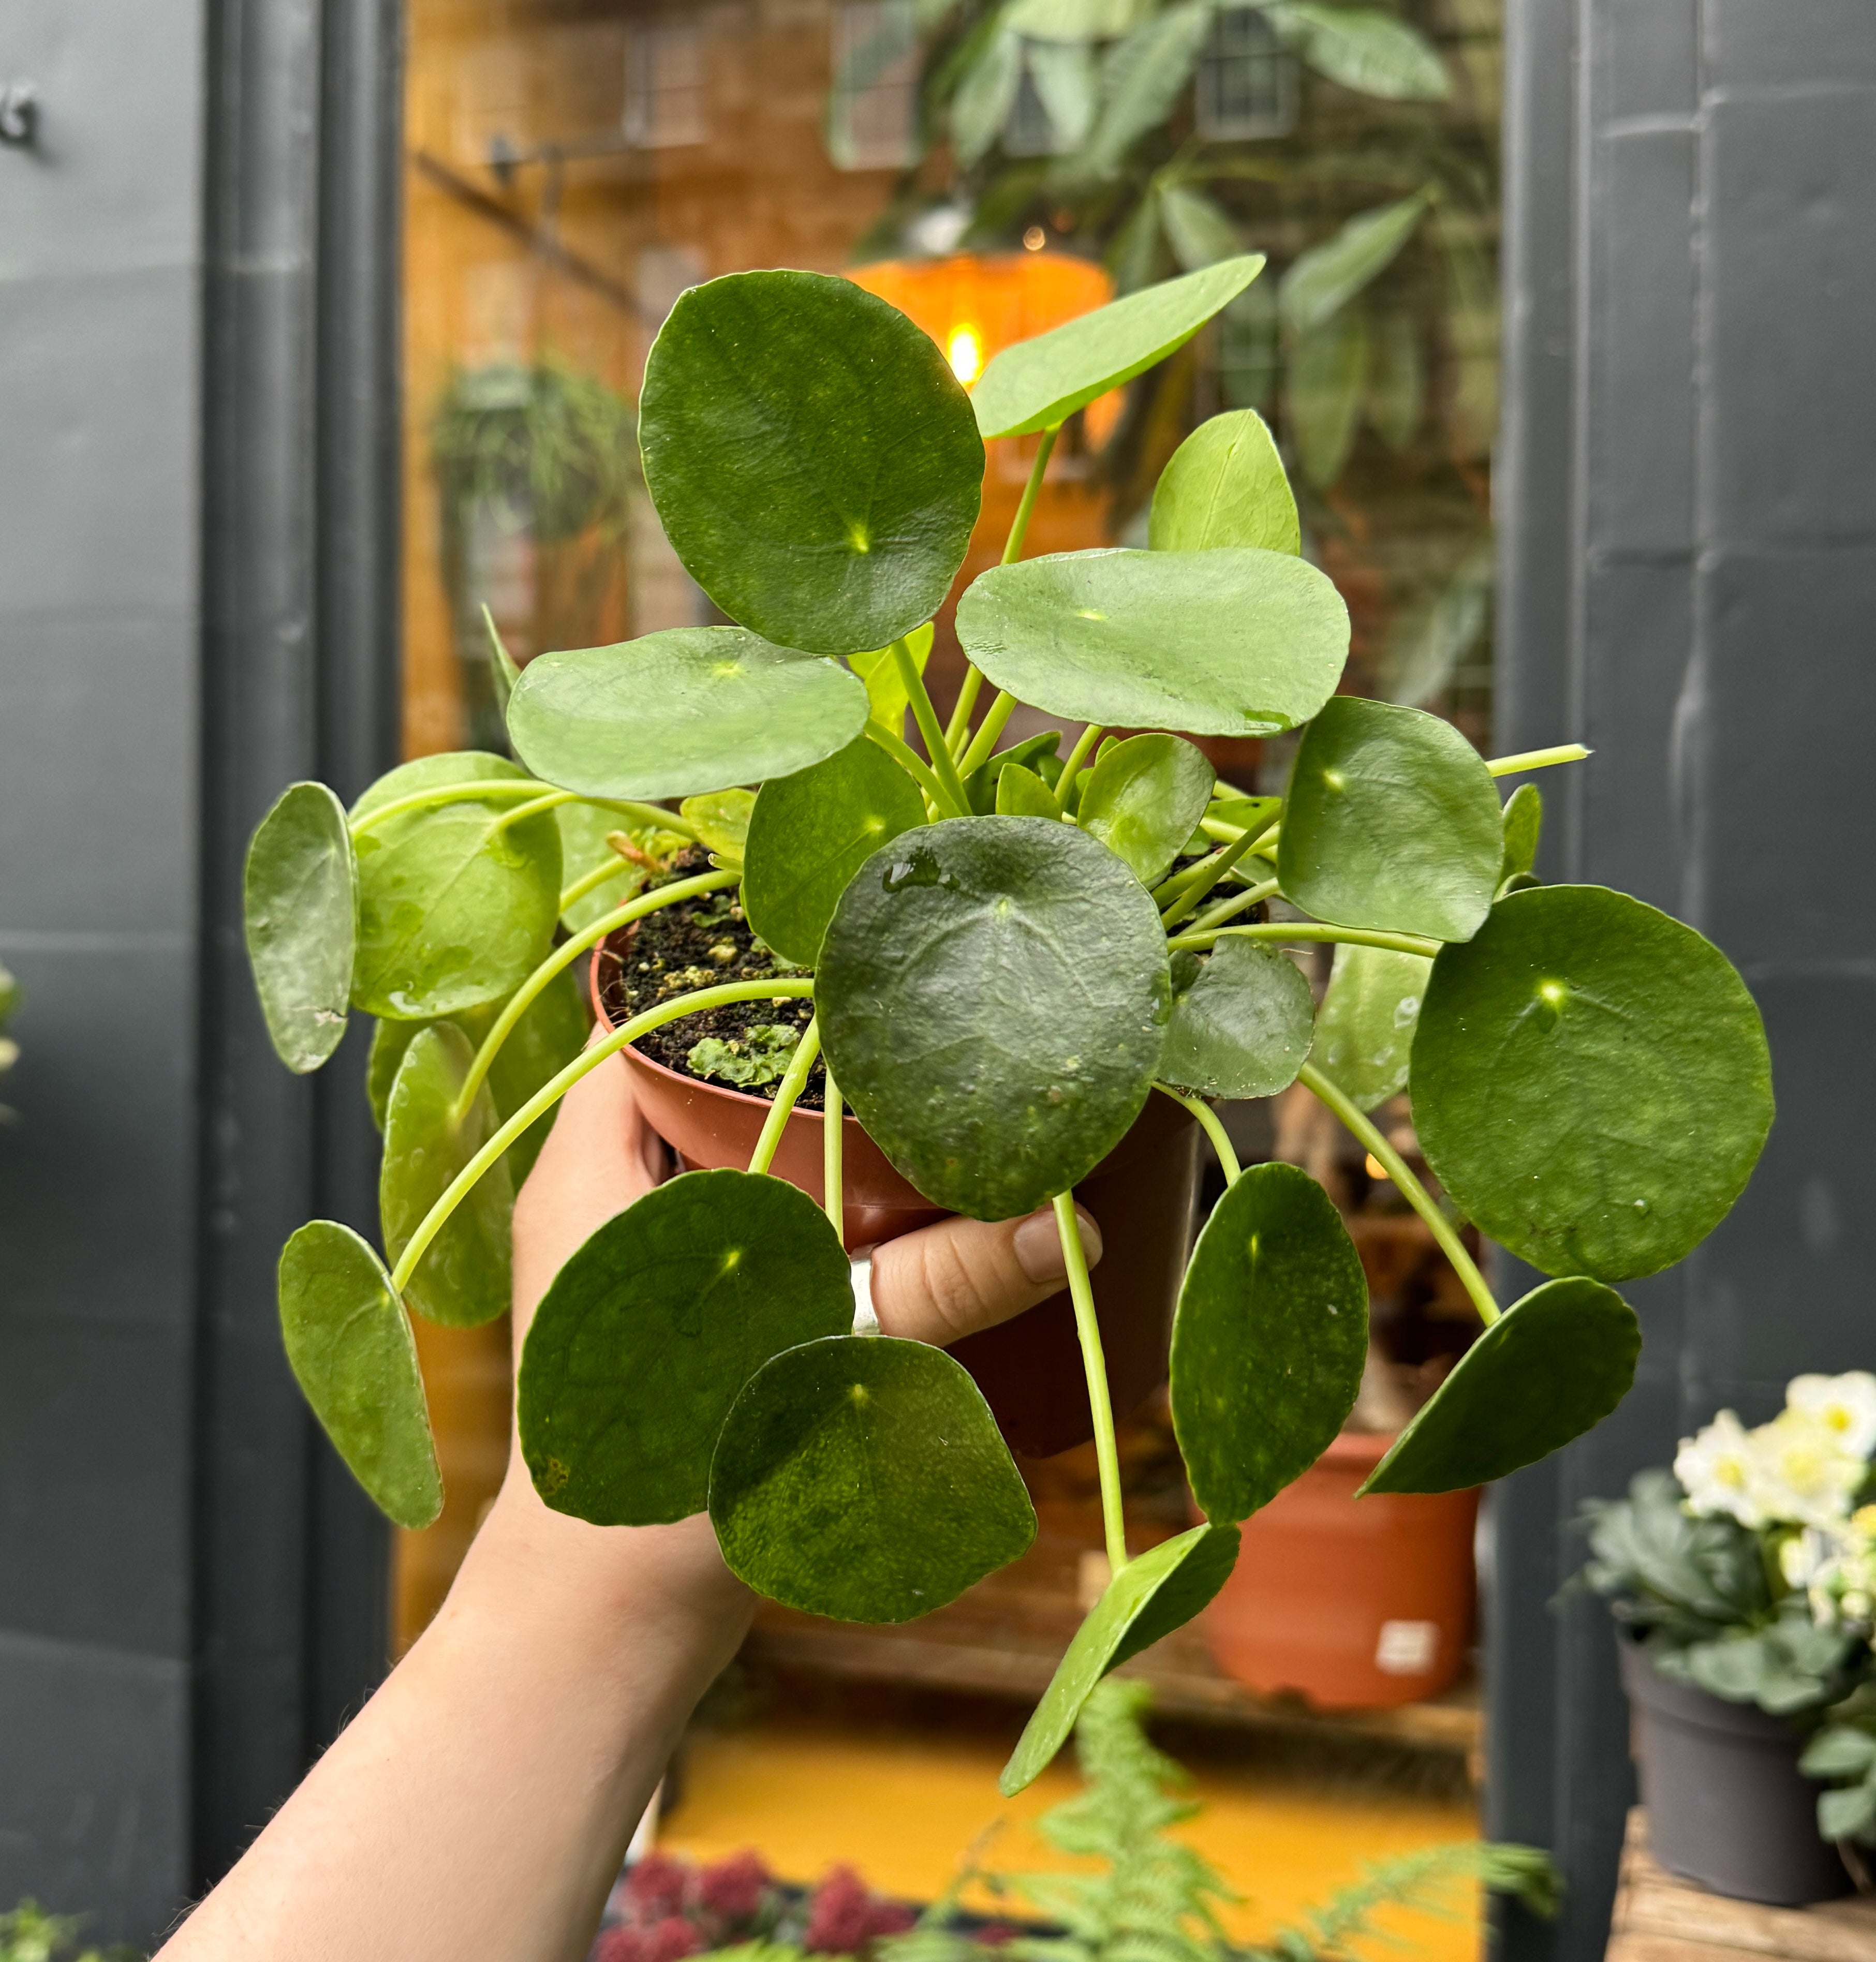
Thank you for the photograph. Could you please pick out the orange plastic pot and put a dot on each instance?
(1356, 1604)
(1143, 1194)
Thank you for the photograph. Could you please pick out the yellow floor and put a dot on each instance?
(902, 1807)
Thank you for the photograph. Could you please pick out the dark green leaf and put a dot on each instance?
(865, 1478)
(1235, 642)
(1143, 799)
(463, 1278)
(1244, 1026)
(455, 908)
(1363, 49)
(1021, 793)
(886, 697)
(1324, 280)
(1198, 229)
(1268, 1341)
(349, 1344)
(993, 994)
(649, 1331)
(1101, 1642)
(299, 898)
(1365, 1027)
(809, 834)
(1591, 1083)
(814, 461)
(1142, 75)
(1225, 486)
(1391, 821)
(1551, 1367)
(1524, 825)
(1038, 384)
(1323, 385)
(688, 710)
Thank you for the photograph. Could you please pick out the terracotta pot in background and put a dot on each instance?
(1356, 1603)
(1143, 1194)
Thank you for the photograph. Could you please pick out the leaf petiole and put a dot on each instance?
(1093, 1364)
(1207, 873)
(943, 764)
(1084, 749)
(522, 812)
(1284, 930)
(988, 731)
(1538, 759)
(1238, 902)
(600, 875)
(909, 760)
(1209, 1124)
(477, 790)
(794, 1081)
(556, 1087)
(1409, 1187)
(833, 1186)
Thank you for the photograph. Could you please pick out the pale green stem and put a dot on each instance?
(1409, 1187)
(1291, 930)
(988, 729)
(909, 760)
(833, 1186)
(520, 815)
(654, 814)
(600, 875)
(1538, 759)
(443, 793)
(1208, 873)
(1238, 902)
(1094, 1365)
(556, 1087)
(958, 730)
(943, 764)
(1209, 1124)
(564, 956)
(1084, 748)
(1228, 834)
(793, 1080)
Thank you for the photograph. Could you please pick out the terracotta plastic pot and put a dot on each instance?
(1354, 1603)
(1143, 1193)
(1727, 1805)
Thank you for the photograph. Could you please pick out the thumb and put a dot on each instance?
(945, 1282)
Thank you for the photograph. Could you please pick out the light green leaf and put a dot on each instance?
(1839, 1752)
(1225, 487)
(686, 710)
(1365, 1027)
(1391, 821)
(463, 1279)
(1591, 1083)
(1073, 20)
(351, 1350)
(1234, 642)
(1143, 799)
(986, 96)
(1323, 280)
(651, 1330)
(1142, 76)
(1102, 1641)
(1038, 383)
(1021, 793)
(722, 820)
(1323, 382)
(1033, 753)
(1198, 227)
(885, 691)
(1848, 1814)
(864, 1478)
(299, 901)
(1363, 49)
(1066, 80)
(503, 672)
(1244, 1027)
(1268, 1340)
(1396, 379)
(1426, 641)
(1524, 825)
(1133, 254)
(814, 461)
(1028, 928)
(810, 832)
(1551, 1367)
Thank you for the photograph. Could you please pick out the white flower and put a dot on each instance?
(1844, 1404)
(1801, 1471)
(1718, 1471)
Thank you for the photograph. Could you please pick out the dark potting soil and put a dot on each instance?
(703, 943)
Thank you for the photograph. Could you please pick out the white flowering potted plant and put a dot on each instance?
(1745, 1580)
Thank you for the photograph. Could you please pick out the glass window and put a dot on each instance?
(1246, 82)
(873, 105)
(666, 97)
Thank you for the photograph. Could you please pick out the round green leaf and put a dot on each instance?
(1021, 793)
(1148, 1598)
(1038, 384)
(1244, 1027)
(1551, 1367)
(1591, 1083)
(865, 1478)
(1225, 486)
(652, 1327)
(1144, 798)
(1391, 821)
(1235, 642)
(1268, 1340)
(814, 461)
(463, 1279)
(992, 994)
(1365, 1027)
(455, 908)
(688, 710)
(299, 901)
(350, 1346)
(810, 832)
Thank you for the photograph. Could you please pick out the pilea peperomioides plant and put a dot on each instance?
(1006, 954)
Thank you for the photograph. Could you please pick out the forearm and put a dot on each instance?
(478, 1809)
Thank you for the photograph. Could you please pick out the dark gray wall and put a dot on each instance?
(196, 603)
(1688, 512)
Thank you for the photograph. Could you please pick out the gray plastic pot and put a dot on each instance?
(1727, 1805)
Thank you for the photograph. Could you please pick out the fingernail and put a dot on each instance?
(1038, 1246)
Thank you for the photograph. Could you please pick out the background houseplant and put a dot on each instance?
(1743, 1581)
(998, 994)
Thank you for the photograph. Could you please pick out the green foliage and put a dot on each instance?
(753, 1061)
(299, 894)
(1225, 486)
(29, 1933)
(1241, 1027)
(1141, 800)
(1842, 1751)
(1364, 1029)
